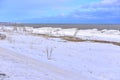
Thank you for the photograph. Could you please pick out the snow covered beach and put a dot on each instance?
(59, 54)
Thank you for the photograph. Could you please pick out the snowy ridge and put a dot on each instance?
(89, 34)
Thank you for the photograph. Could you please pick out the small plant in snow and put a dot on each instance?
(49, 52)
(2, 36)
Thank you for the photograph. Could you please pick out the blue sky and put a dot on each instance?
(60, 11)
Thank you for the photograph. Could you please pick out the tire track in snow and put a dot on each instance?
(53, 71)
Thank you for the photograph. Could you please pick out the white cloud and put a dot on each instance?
(109, 1)
(103, 10)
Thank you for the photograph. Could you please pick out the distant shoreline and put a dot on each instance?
(79, 26)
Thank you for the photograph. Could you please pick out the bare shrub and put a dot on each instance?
(2, 36)
(49, 52)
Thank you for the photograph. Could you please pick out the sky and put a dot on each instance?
(60, 11)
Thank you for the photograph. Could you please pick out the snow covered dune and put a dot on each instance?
(89, 34)
(59, 54)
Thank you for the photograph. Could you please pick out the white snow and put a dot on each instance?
(26, 56)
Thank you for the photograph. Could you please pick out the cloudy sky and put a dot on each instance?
(60, 11)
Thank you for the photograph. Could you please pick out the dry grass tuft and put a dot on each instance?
(76, 39)
(2, 36)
